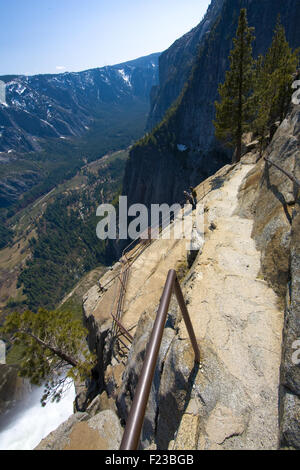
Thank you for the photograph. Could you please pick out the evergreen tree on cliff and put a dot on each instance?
(234, 111)
(273, 84)
(54, 349)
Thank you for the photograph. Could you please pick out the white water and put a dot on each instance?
(30, 426)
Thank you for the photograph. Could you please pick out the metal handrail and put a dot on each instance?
(136, 416)
(138, 239)
(286, 173)
(150, 227)
(123, 279)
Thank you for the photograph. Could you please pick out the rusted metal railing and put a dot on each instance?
(136, 416)
(118, 303)
(125, 332)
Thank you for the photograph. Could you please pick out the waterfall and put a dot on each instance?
(31, 425)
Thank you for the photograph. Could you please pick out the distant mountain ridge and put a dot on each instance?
(63, 105)
(51, 125)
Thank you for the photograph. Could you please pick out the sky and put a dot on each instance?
(54, 36)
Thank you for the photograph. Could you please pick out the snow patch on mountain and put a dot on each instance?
(125, 77)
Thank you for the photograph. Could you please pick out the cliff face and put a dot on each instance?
(175, 64)
(183, 149)
(272, 200)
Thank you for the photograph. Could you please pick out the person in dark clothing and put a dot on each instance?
(194, 195)
(101, 288)
(189, 199)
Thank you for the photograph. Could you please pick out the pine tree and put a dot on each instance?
(273, 82)
(53, 349)
(234, 111)
(262, 101)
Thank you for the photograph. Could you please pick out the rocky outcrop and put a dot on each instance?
(270, 197)
(234, 291)
(176, 63)
(290, 370)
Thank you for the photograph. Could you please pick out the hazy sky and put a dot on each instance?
(49, 36)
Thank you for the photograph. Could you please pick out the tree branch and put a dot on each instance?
(55, 351)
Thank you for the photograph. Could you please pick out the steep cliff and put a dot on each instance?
(182, 149)
(241, 288)
(175, 64)
(272, 200)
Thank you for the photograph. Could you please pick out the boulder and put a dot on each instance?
(100, 403)
(101, 432)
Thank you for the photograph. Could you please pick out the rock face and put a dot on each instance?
(290, 398)
(81, 432)
(175, 64)
(158, 169)
(235, 291)
(270, 197)
(273, 201)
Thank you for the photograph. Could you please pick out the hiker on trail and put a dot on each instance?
(194, 195)
(189, 199)
(101, 288)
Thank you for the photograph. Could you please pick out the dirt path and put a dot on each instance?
(235, 312)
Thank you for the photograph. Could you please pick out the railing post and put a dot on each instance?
(136, 416)
(187, 319)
